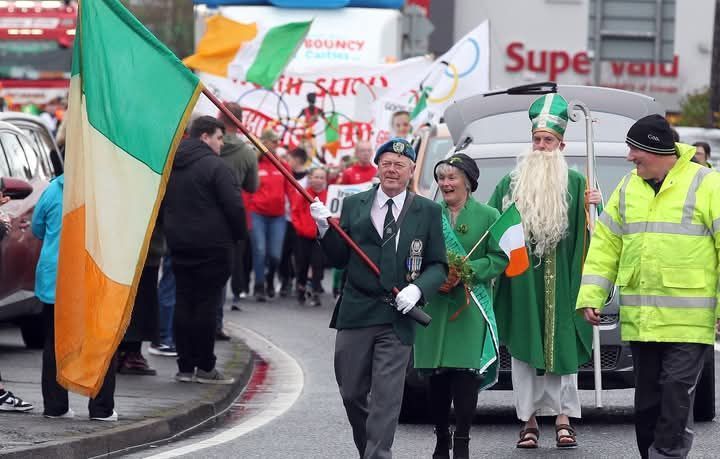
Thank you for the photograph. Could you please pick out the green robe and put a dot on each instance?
(469, 341)
(535, 311)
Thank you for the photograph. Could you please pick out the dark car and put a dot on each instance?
(26, 171)
(493, 131)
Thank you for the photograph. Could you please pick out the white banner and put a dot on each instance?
(336, 194)
(326, 109)
(461, 72)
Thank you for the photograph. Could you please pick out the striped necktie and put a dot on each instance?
(387, 251)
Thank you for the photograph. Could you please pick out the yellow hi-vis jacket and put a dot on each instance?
(662, 252)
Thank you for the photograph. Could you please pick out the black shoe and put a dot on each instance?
(443, 444)
(260, 293)
(285, 289)
(221, 336)
(461, 447)
(270, 289)
(301, 295)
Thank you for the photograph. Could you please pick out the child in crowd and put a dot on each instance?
(307, 250)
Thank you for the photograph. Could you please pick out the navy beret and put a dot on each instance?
(396, 145)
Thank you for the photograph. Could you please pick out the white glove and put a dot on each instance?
(407, 298)
(320, 214)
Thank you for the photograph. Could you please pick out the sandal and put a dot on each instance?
(570, 435)
(530, 436)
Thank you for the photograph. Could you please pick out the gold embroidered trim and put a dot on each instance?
(550, 280)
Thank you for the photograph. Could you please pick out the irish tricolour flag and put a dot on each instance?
(130, 99)
(247, 52)
(509, 234)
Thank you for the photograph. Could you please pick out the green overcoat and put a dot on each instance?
(535, 311)
(363, 302)
(469, 340)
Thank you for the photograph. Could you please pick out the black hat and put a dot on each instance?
(465, 164)
(652, 134)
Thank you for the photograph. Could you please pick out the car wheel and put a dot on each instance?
(704, 407)
(33, 332)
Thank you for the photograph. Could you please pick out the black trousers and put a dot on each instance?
(55, 397)
(199, 290)
(241, 267)
(459, 387)
(285, 270)
(666, 375)
(308, 253)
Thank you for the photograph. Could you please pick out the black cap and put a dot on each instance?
(652, 134)
(465, 164)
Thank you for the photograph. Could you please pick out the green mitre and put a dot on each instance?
(549, 113)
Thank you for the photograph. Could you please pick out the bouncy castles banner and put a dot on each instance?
(326, 110)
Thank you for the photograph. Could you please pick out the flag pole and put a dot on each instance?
(415, 313)
(573, 115)
(477, 244)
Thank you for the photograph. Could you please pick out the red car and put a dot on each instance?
(26, 171)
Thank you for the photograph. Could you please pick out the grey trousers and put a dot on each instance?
(370, 366)
(666, 375)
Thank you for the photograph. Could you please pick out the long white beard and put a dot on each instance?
(539, 188)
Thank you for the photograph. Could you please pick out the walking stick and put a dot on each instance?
(415, 313)
(573, 115)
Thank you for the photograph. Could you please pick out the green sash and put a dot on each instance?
(479, 296)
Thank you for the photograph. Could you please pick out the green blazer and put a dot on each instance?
(363, 301)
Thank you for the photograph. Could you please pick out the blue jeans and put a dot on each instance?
(267, 235)
(166, 300)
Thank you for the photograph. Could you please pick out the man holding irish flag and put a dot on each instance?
(535, 310)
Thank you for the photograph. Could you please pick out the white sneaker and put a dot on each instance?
(69, 414)
(113, 417)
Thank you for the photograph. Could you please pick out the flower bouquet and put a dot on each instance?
(460, 272)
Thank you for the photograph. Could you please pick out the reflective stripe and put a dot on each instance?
(607, 220)
(686, 229)
(621, 201)
(689, 207)
(716, 225)
(667, 301)
(593, 279)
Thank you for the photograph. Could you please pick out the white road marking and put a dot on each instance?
(287, 384)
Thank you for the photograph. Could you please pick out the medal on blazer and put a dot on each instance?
(414, 261)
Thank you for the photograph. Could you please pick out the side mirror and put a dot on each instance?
(15, 188)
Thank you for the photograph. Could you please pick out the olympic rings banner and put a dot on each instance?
(327, 109)
(461, 72)
(324, 109)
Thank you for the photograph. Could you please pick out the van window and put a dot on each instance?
(437, 149)
(609, 171)
(15, 156)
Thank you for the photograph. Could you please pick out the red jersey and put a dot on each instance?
(273, 188)
(300, 216)
(358, 174)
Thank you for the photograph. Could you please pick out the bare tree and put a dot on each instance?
(170, 20)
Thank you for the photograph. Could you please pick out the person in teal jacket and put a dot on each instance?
(46, 226)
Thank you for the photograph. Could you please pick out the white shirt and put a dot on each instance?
(378, 211)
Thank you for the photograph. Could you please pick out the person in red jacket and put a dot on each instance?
(308, 252)
(363, 170)
(267, 211)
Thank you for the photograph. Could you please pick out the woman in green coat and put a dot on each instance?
(459, 349)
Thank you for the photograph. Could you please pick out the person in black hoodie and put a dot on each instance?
(203, 217)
